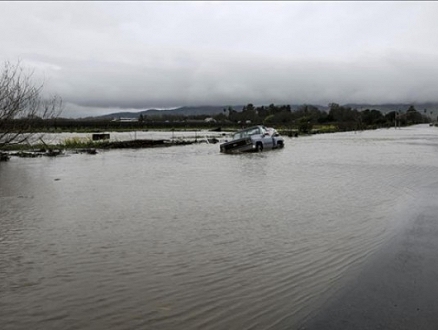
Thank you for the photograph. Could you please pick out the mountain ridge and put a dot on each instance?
(209, 110)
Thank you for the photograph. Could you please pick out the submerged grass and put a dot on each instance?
(88, 145)
(77, 142)
(67, 144)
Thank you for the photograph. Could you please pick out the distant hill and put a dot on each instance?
(215, 110)
(182, 111)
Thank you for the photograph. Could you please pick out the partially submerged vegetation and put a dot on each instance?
(81, 145)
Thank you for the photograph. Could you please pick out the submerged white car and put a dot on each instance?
(256, 138)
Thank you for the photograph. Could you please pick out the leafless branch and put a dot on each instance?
(21, 104)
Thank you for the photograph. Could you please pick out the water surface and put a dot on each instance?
(188, 238)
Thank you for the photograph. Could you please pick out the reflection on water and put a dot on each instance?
(188, 238)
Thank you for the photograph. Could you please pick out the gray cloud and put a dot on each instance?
(102, 56)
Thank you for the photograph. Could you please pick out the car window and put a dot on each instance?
(247, 133)
(253, 131)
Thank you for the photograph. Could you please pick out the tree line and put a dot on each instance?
(307, 116)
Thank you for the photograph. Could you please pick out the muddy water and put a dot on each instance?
(188, 238)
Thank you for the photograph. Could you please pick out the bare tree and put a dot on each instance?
(22, 105)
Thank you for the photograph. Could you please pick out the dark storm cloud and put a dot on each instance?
(101, 56)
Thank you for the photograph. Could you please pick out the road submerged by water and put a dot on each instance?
(398, 288)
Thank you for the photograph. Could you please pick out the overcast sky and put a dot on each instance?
(102, 57)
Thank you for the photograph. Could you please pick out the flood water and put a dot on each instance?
(188, 238)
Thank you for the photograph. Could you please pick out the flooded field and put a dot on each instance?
(188, 238)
